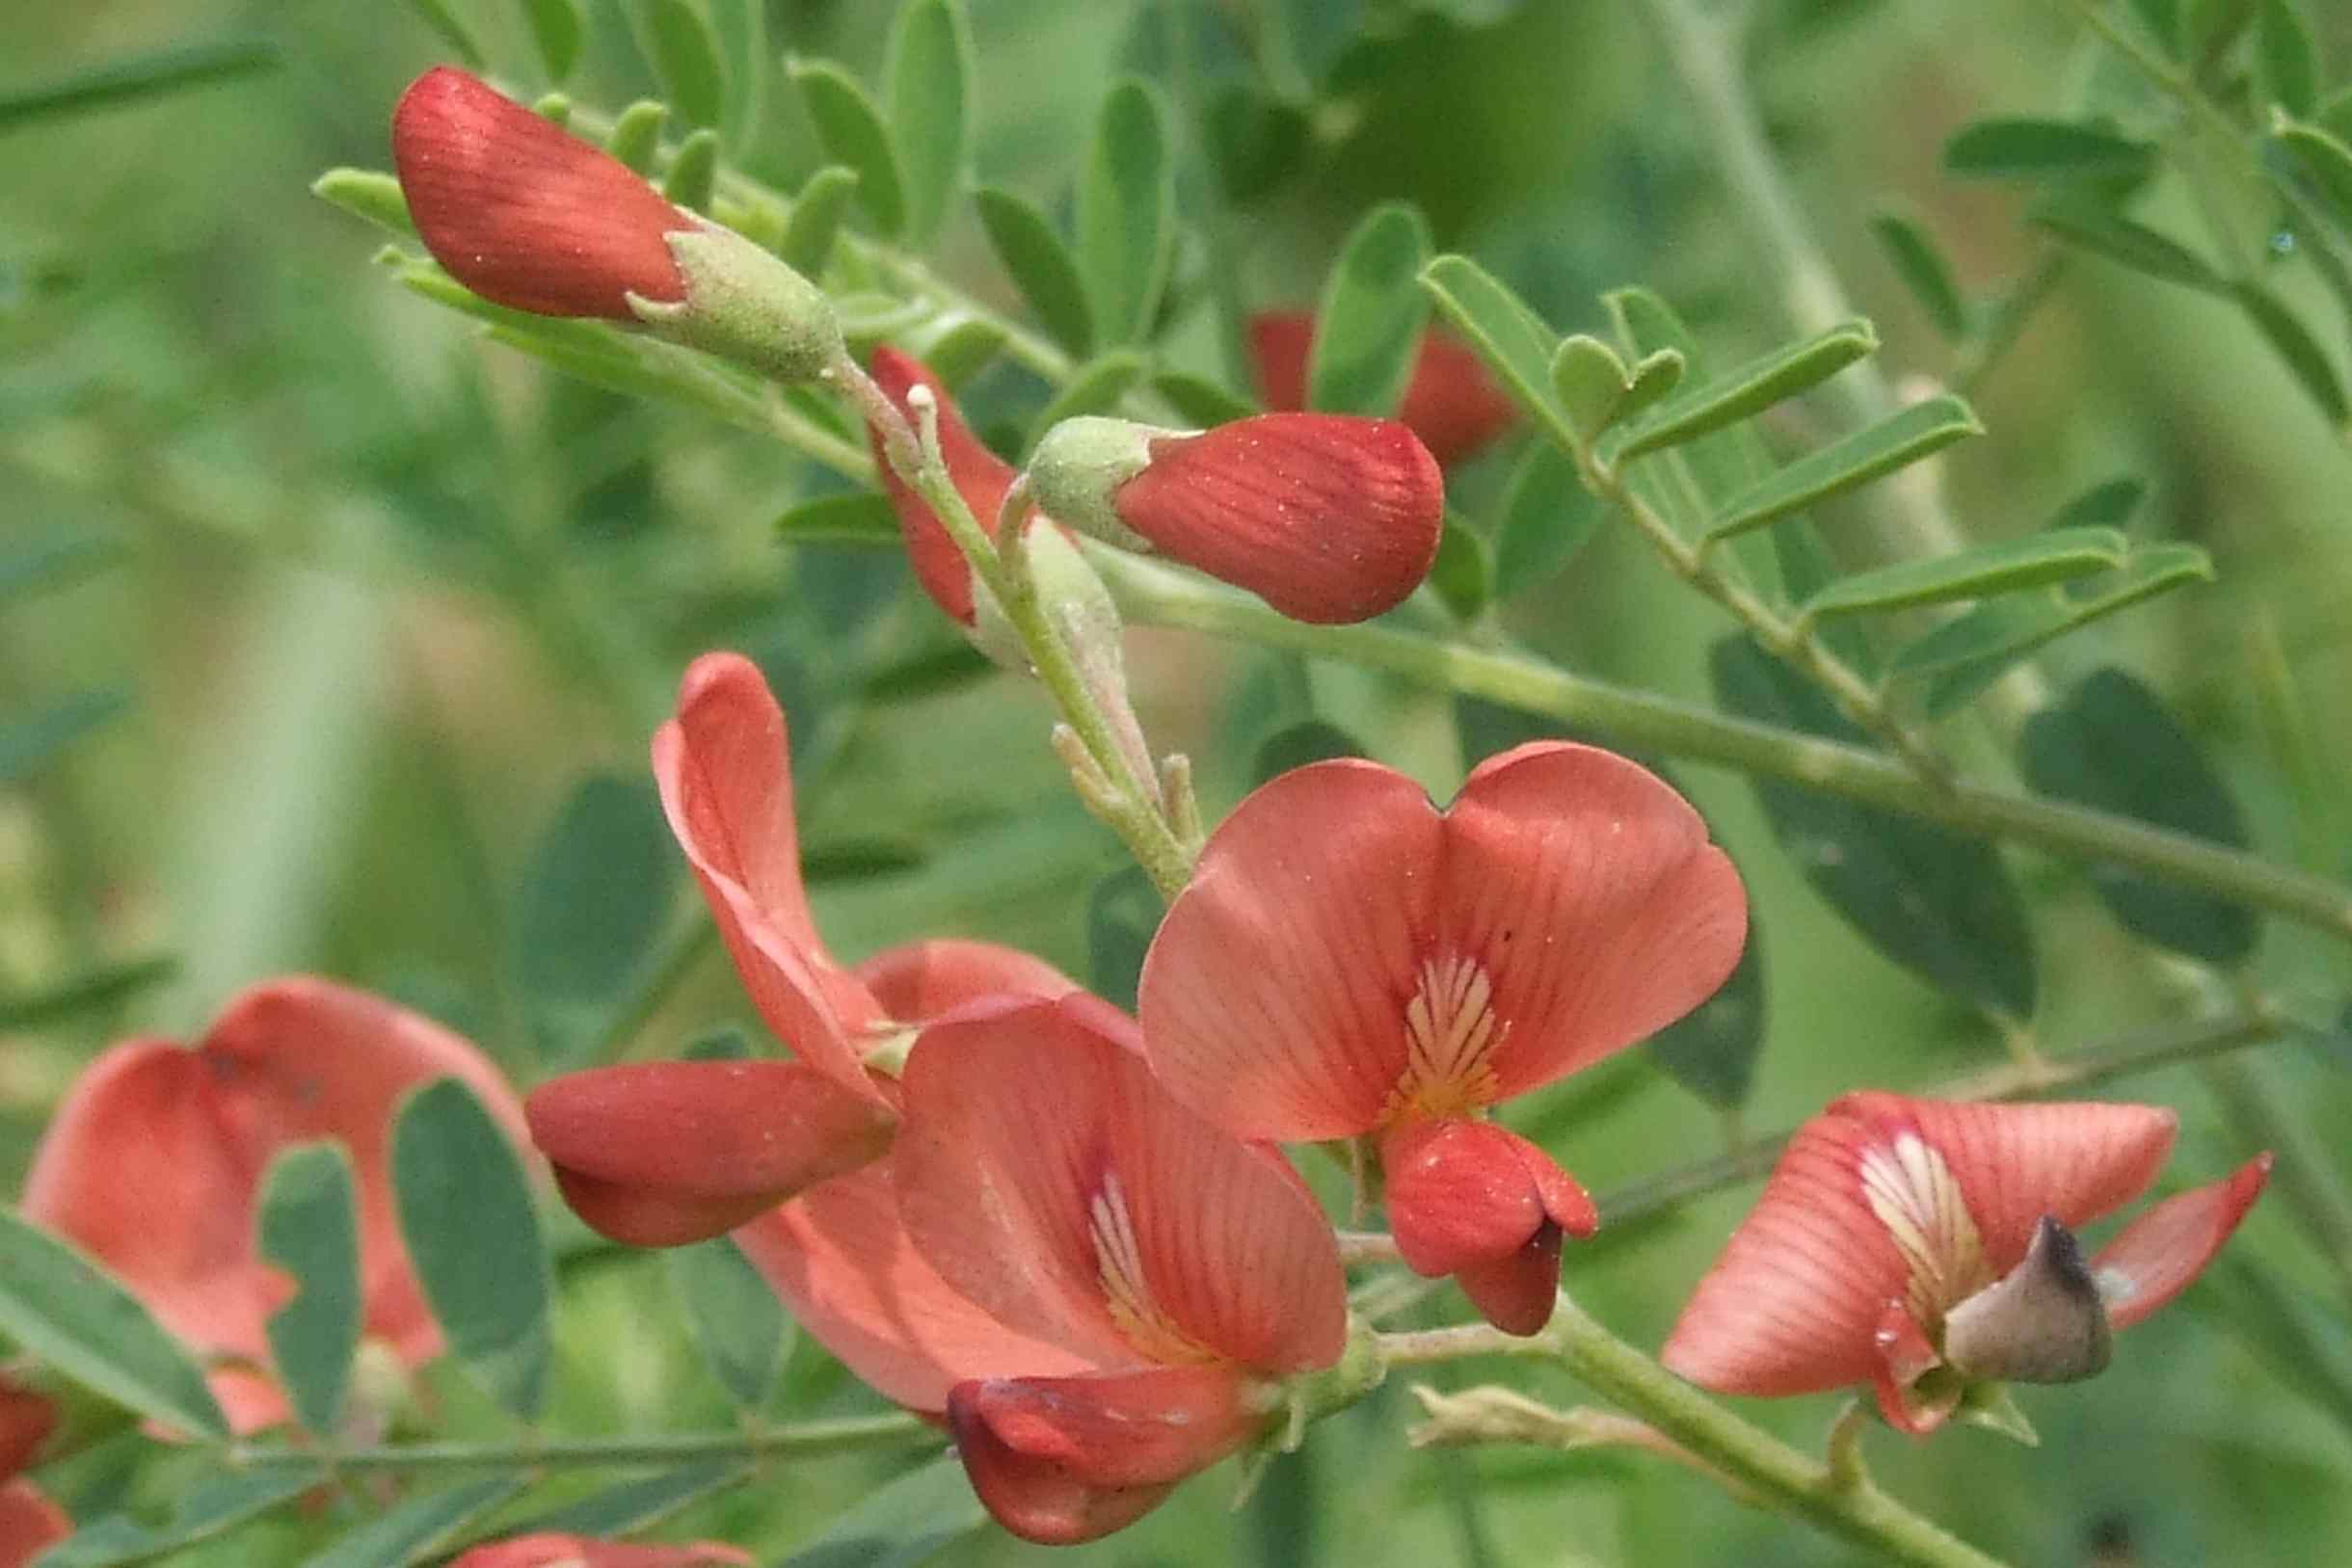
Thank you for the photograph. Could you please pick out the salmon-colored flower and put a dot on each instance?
(1100, 1290)
(30, 1523)
(1349, 960)
(1921, 1247)
(666, 1152)
(1452, 402)
(152, 1165)
(552, 1551)
(979, 474)
(524, 213)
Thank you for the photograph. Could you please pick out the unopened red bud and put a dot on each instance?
(1478, 1202)
(525, 214)
(1453, 402)
(981, 476)
(1328, 517)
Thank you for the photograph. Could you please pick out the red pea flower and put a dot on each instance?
(1452, 401)
(524, 213)
(979, 474)
(152, 1165)
(30, 1523)
(552, 1551)
(1350, 960)
(1102, 1291)
(1329, 517)
(660, 1154)
(1921, 1247)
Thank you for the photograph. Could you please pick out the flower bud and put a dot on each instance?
(1328, 517)
(981, 476)
(1452, 402)
(1478, 1202)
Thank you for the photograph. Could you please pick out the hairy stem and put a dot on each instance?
(807, 1440)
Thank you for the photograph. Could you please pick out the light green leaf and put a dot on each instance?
(631, 1506)
(369, 194)
(911, 1521)
(558, 29)
(2128, 244)
(1040, 265)
(678, 39)
(212, 1507)
(309, 1225)
(466, 1213)
(1199, 401)
(855, 136)
(106, 986)
(2289, 57)
(419, 1528)
(1893, 442)
(29, 744)
(816, 218)
(2298, 350)
(860, 517)
(556, 108)
(63, 1309)
(593, 898)
(741, 29)
(1122, 914)
(1656, 377)
(1548, 517)
(1983, 571)
(1750, 389)
(957, 346)
(1368, 327)
(451, 30)
(2046, 149)
(694, 172)
(1920, 261)
(1510, 337)
(737, 1321)
(636, 135)
(1962, 657)
(1591, 383)
(2314, 163)
(928, 68)
(1126, 212)
(54, 557)
(2108, 505)
(129, 78)
(1095, 387)
(1461, 575)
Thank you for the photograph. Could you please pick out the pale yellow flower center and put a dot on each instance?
(1913, 1190)
(1118, 1262)
(1451, 1035)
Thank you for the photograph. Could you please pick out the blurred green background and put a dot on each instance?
(379, 599)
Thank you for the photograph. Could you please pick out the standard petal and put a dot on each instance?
(552, 1551)
(1273, 997)
(724, 767)
(2156, 1256)
(844, 1267)
(981, 476)
(1048, 1176)
(919, 982)
(29, 1524)
(662, 1154)
(1588, 890)
(1068, 1459)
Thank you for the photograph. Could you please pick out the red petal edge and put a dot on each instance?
(2157, 1255)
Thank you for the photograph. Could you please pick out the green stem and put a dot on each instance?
(1154, 595)
(807, 1440)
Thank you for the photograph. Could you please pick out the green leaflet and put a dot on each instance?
(1511, 338)
(928, 74)
(1040, 265)
(855, 136)
(1750, 389)
(129, 78)
(1981, 573)
(1920, 264)
(309, 1225)
(1368, 327)
(1855, 460)
(678, 38)
(1126, 212)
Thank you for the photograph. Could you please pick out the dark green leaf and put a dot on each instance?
(1936, 902)
(2111, 744)
(591, 906)
(369, 194)
(2299, 350)
(2007, 566)
(54, 558)
(737, 1323)
(29, 744)
(2128, 244)
(1712, 1051)
(1894, 443)
(446, 25)
(1295, 746)
(636, 134)
(1201, 402)
(1920, 261)
(309, 1225)
(2289, 57)
(854, 135)
(1547, 517)
(2162, 19)
(212, 1507)
(466, 1213)
(631, 1506)
(1095, 387)
(1254, 141)
(929, 73)
(2046, 149)
(2334, 117)
(1962, 657)
(105, 986)
(1461, 575)
(1040, 265)
(694, 172)
(1511, 338)
(2313, 163)
(1591, 383)
(63, 1311)
(129, 78)
(1126, 212)
(1368, 328)
(1752, 388)
(419, 1528)
(1122, 914)
(816, 219)
(676, 37)
(558, 28)
(911, 1521)
(2108, 505)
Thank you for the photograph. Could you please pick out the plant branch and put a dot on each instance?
(807, 1440)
